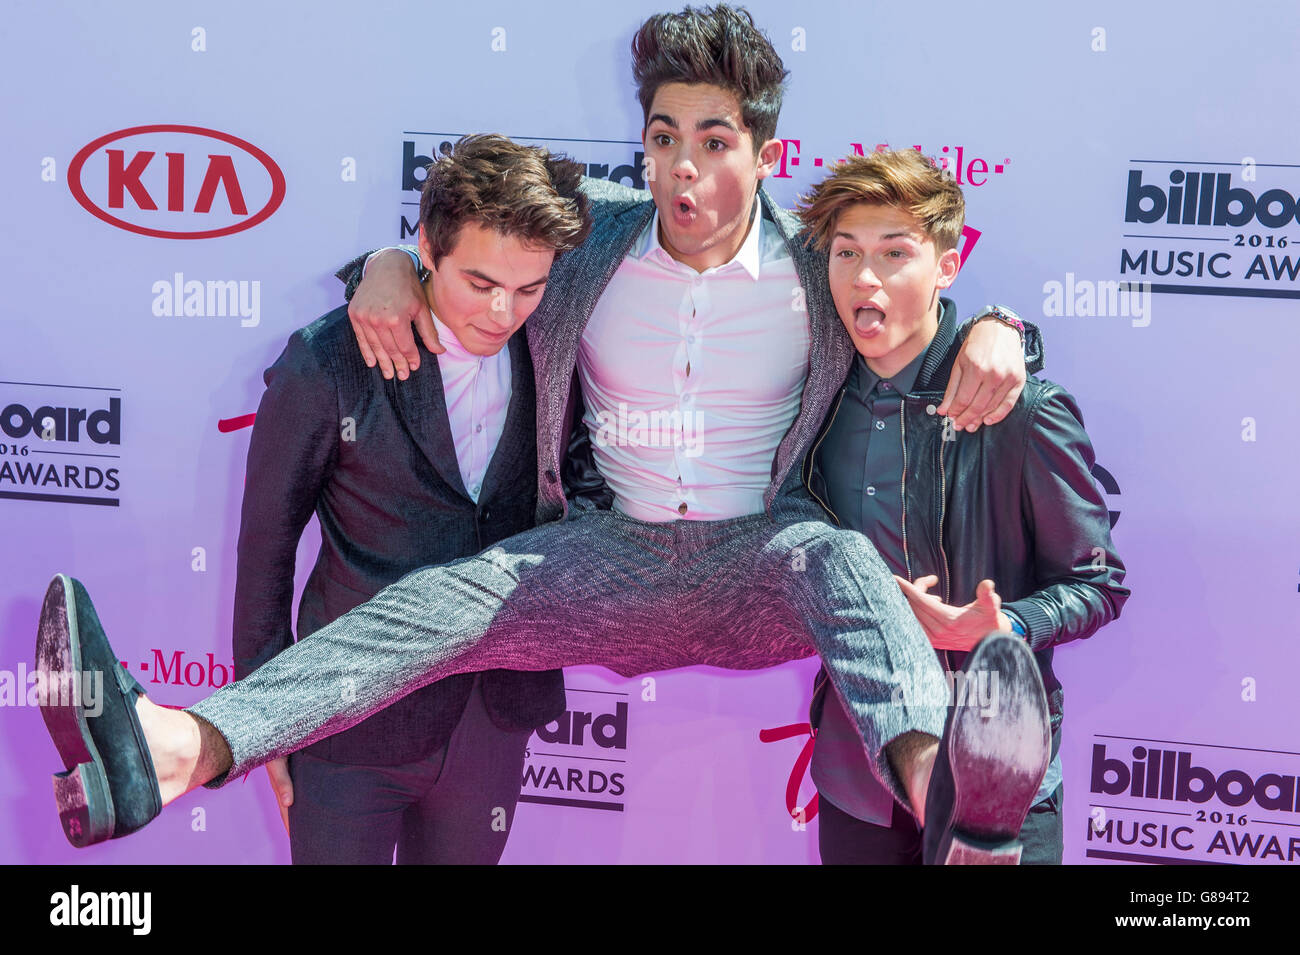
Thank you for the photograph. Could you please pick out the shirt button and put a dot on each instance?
(690, 339)
(681, 508)
(871, 490)
(475, 489)
(880, 425)
(478, 428)
(686, 399)
(885, 386)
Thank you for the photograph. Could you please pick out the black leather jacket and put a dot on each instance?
(1014, 502)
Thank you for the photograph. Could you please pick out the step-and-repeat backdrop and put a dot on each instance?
(181, 179)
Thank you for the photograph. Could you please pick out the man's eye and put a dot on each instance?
(845, 254)
(532, 291)
(481, 289)
(662, 139)
(716, 145)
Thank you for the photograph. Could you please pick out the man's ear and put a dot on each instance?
(426, 250)
(949, 266)
(769, 157)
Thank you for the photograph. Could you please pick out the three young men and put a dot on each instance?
(949, 512)
(689, 301)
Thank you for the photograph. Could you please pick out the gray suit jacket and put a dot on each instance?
(578, 280)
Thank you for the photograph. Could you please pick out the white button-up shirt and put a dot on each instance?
(691, 379)
(477, 389)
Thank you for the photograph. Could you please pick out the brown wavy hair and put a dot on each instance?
(521, 191)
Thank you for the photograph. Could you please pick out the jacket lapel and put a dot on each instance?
(830, 350)
(555, 340)
(515, 450)
(421, 406)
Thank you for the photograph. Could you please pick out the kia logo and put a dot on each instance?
(176, 182)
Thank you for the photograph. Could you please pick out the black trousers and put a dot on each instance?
(847, 840)
(453, 808)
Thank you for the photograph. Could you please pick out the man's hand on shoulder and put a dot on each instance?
(386, 304)
(987, 377)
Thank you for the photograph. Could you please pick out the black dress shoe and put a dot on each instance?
(992, 758)
(109, 788)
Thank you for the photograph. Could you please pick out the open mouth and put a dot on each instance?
(684, 205)
(868, 319)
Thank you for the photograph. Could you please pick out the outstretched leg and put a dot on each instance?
(968, 772)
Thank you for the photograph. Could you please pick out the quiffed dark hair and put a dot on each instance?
(716, 45)
(522, 191)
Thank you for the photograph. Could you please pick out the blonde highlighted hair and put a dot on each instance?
(901, 178)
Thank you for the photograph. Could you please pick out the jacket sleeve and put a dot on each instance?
(1034, 359)
(1078, 573)
(290, 455)
(350, 274)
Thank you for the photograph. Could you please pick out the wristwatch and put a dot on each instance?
(1006, 316)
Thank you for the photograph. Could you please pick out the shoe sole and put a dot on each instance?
(80, 792)
(996, 772)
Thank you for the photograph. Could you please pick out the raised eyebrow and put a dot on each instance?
(706, 124)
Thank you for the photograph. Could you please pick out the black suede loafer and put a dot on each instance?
(109, 788)
(993, 756)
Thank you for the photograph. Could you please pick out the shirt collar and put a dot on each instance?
(902, 382)
(748, 257)
(449, 341)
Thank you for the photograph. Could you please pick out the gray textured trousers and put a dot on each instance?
(603, 588)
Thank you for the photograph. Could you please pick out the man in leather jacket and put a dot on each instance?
(954, 514)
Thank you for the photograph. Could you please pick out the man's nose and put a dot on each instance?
(866, 278)
(684, 167)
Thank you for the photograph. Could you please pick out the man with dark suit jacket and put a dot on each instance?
(402, 478)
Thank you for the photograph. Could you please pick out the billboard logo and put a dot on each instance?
(1166, 800)
(617, 160)
(1206, 198)
(1207, 231)
(58, 445)
(579, 760)
(176, 182)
